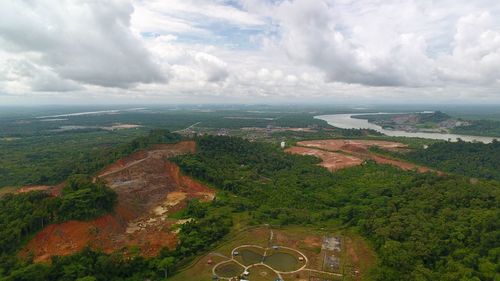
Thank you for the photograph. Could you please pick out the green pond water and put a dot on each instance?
(282, 261)
(250, 257)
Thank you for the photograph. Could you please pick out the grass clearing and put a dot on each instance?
(261, 273)
(229, 269)
(356, 255)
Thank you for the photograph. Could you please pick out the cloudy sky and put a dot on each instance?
(250, 51)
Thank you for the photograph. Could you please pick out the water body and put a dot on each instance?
(92, 112)
(345, 121)
(282, 261)
(250, 257)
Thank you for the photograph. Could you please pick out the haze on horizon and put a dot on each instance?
(249, 51)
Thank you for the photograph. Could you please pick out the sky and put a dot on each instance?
(249, 51)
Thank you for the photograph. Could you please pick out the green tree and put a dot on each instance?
(166, 265)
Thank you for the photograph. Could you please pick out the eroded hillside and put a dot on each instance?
(149, 188)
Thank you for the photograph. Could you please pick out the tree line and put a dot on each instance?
(24, 214)
(423, 226)
(84, 199)
(479, 160)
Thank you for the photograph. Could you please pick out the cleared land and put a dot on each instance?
(352, 145)
(300, 255)
(54, 190)
(149, 188)
(342, 153)
(331, 160)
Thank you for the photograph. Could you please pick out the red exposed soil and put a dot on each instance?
(54, 190)
(149, 187)
(351, 145)
(333, 161)
(400, 164)
(333, 153)
(30, 188)
(313, 241)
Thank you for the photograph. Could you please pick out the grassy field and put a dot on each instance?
(355, 256)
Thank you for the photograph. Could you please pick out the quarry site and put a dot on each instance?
(149, 188)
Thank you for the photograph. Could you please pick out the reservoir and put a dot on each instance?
(345, 121)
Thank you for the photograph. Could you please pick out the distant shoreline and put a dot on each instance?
(345, 121)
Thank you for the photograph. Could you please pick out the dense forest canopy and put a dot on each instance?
(51, 159)
(24, 214)
(463, 158)
(196, 236)
(39, 150)
(82, 199)
(423, 226)
(480, 128)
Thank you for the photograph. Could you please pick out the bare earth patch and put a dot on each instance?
(29, 188)
(149, 188)
(333, 161)
(54, 190)
(351, 145)
(342, 153)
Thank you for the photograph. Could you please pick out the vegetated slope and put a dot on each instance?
(148, 188)
(423, 226)
(423, 121)
(25, 213)
(463, 158)
(50, 159)
(489, 128)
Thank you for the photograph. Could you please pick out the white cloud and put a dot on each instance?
(85, 41)
(245, 49)
(384, 43)
(476, 54)
(189, 17)
(214, 68)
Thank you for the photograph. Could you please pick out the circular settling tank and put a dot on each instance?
(282, 261)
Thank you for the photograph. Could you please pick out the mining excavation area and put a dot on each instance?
(149, 188)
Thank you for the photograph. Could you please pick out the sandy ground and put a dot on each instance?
(149, 188)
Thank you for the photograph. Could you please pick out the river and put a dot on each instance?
(345, 121)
